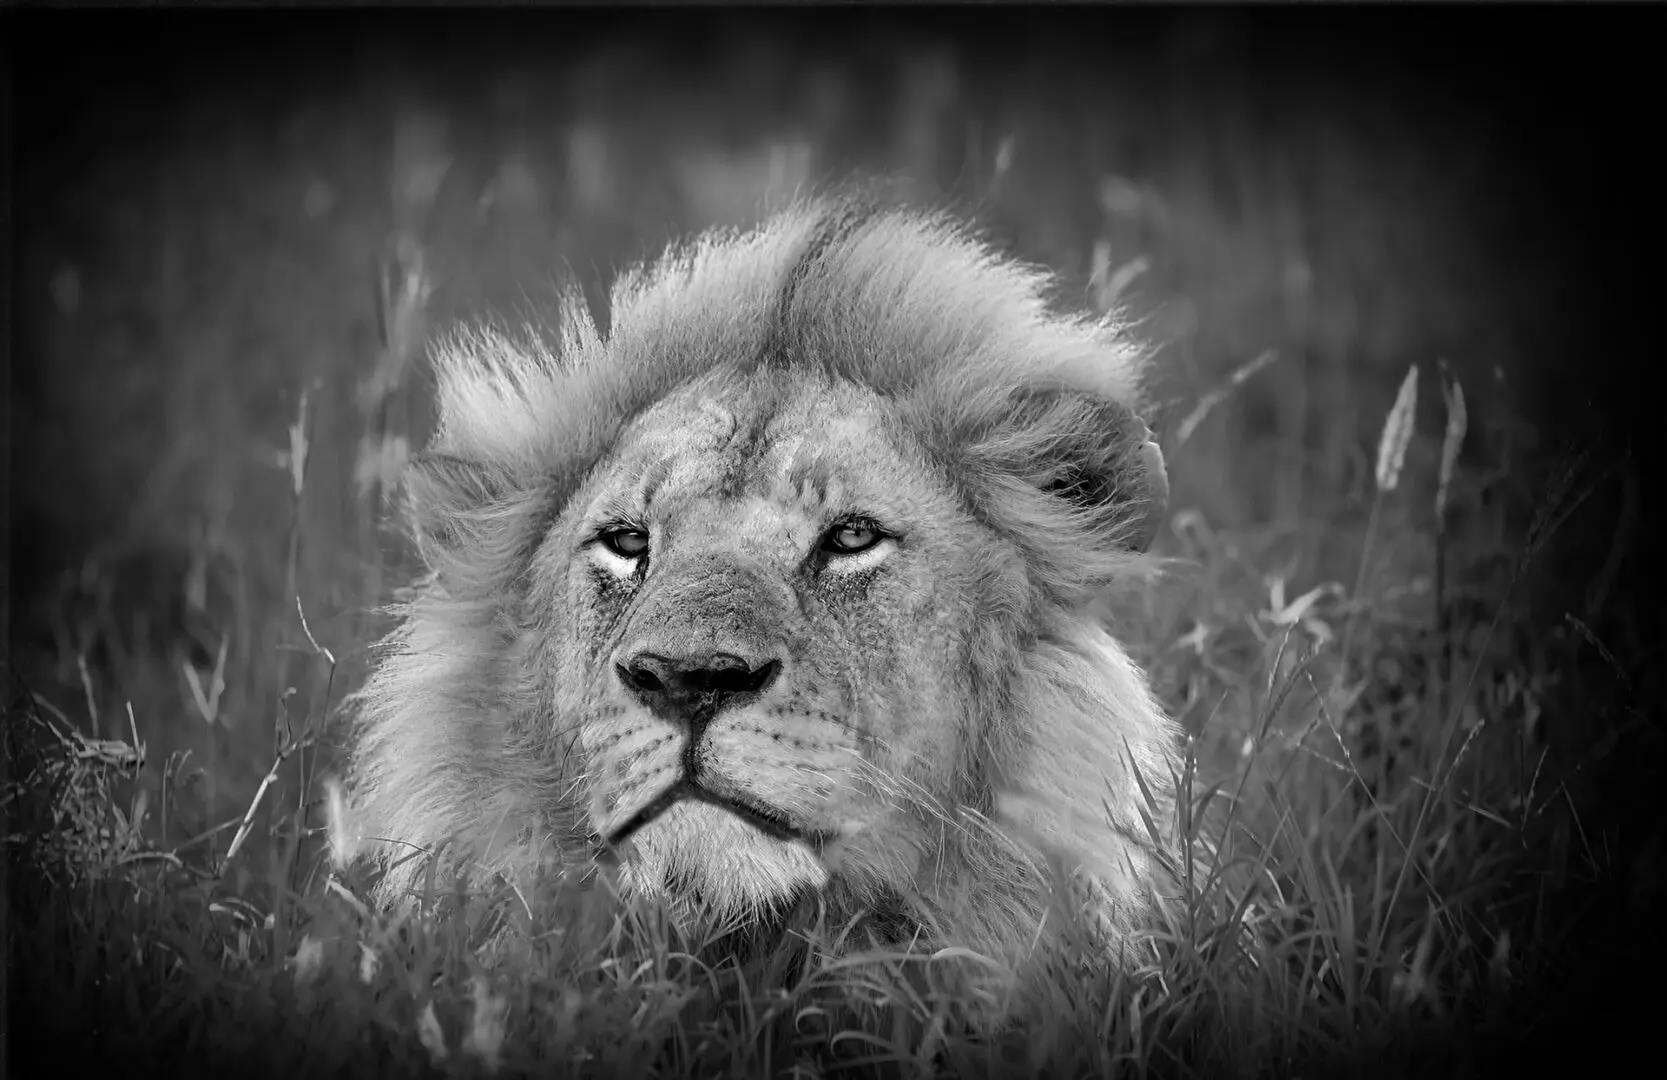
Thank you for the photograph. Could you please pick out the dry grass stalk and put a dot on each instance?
(1215, 397)
(403, 287)
(403, 283)
(1392, 452)
(1452, 393)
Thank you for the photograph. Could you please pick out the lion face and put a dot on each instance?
(782, 587)
(768, 602)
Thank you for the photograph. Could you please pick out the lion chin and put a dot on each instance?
(784, 588)
(724, 862)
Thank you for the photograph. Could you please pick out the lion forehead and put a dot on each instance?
(806, 449)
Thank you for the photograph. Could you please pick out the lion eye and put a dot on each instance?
(626, 543)
(849, 538)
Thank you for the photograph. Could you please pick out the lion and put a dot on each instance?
(780, 588)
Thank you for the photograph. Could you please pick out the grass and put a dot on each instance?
(1412, 829)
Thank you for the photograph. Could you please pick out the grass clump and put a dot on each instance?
(1369, 906)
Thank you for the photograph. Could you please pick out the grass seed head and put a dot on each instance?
(1397, 432)
(1452, 392)
(431, 1035)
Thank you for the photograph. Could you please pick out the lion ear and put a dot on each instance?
(447, 505)
(1099, 456)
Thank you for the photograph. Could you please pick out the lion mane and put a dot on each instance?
(781, 587)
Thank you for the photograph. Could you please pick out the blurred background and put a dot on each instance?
(232, 233)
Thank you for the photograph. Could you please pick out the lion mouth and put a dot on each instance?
(768, 821)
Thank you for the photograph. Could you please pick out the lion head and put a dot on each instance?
(780, 588)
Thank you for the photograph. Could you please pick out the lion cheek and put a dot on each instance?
(807, 773)
(881, 845)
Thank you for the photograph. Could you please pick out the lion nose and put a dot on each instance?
(679, 686)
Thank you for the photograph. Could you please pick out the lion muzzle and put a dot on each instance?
(688, 689)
